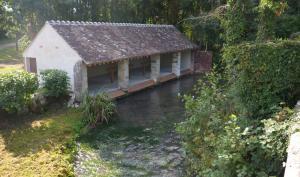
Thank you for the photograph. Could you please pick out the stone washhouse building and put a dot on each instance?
(116, 58)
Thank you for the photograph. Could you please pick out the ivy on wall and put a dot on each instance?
(263, 75)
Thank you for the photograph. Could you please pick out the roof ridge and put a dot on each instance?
(62, 22)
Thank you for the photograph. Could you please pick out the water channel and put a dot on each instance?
(142, 140)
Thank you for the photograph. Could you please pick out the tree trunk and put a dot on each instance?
(17, 43)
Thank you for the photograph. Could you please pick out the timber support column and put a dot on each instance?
(155, 67)
(176, 58)
(123, 74)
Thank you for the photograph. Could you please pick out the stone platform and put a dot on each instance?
(141, 86)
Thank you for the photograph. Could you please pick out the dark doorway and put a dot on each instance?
(32, 65)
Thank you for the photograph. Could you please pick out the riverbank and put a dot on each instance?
(142, 141)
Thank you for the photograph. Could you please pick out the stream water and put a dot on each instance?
(142, 141)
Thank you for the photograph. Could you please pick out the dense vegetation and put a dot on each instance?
(97, 109)
(263, 75)
(16, 89)
(56, 83)
(26, 17)
(237, 122)
(239, 118)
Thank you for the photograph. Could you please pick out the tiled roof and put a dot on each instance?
(98, 42)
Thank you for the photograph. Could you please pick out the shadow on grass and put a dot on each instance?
(29, 134)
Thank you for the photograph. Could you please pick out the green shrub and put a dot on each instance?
(226, 132)
(56, 83)
(287, 25)
(219, 143)
(97, 109)
(205, 111)
(24, 42)
(15, 90)
(262, 75)
(257, 150)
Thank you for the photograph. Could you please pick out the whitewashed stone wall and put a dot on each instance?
(52, 52)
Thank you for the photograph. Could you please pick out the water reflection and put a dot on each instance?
(155, 104)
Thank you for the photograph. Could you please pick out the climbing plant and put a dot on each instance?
(262, 75)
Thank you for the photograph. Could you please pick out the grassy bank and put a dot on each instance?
(38, 145)
(7, 68)
(10, 59)
(9, 55)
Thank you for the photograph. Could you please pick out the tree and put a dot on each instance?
(268, 11)
(235, 22)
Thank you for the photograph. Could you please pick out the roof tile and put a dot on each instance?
(98, 42)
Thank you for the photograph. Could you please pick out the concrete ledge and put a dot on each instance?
(141, 86)
(116, 93)
(166, 78)
(186, 72)
(292, 168)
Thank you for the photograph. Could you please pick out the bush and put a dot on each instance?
(262, 75)
(226, 132)
(287, 25)
(98, 109)
(257, 150)
(220, 143)
(24, 42)
(56, 83)
(16, 89)
(206, 111)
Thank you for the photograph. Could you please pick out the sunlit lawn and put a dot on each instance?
(37, 146)
(7, 68)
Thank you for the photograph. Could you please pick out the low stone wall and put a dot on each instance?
(293, 161)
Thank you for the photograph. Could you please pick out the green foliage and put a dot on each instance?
(16, 89)
(205, 111)
(286, 25)
(220, 144)
(97, 109)
(262, 75)
(268, 11)
(235, 22)
(257, 150)
(234, 125)
(56, 83)
(204, 30)
(24, 43)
